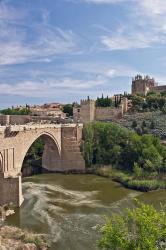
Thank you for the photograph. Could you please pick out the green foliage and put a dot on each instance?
(163, 93)
(144, 124)
(110, 144)
(88, 134)
(36, 150)
(139, 130)
(151, 102)
(138, 171)
(68, 109)
(141, 228)
(134, 124)
(152, 125)
(104, 102)
(146, 185)
(164, 109)
(9, 111)
(138, 180)
(152, 93)
(137, 102)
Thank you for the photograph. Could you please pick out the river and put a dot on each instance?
(70, 207)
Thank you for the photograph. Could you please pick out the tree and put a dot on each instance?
(13, 111)
(137, 102)
(163, 93)
(152, 93)
(141, 228)
(88, 133)
(134, 124)
(110, 144)
(152, 125)
(103, 102)
(139, 130)
(138, 171)
(68, 109)
(143, 124)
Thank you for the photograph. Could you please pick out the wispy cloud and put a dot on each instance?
(127, 41)
(16, 47)
(50, 87)
(101, 1)
(152, 7)
(105, 70)
(97, 74)
(9, 13)
(145, 27)
(50, 42)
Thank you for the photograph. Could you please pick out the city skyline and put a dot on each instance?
(63, 50)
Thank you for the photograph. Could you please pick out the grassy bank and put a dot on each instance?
(128, 180)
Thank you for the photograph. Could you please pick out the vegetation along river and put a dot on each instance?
(69, 207)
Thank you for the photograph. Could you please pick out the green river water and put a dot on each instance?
(70, 207)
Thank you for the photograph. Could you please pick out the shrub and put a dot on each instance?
(141, 228)
(138, 171)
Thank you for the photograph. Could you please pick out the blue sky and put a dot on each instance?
(64, 50)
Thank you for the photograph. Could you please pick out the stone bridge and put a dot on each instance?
(61, 153)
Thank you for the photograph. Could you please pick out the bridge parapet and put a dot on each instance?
(15, 128)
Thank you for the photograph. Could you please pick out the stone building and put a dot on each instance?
(48, 109)
(142, 85)
(88, 112)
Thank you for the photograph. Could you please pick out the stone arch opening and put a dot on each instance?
(42, 156)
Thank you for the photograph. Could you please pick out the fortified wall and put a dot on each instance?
(88, 112)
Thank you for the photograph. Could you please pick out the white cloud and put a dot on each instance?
(145, 24)
(8, 13)
(133, 40)
(152, 7)
(145, 27)
(105, 1)
(50, 87)
(17, 46)
(105, 70)
(101, 1)
(50, 42)
(45, 16)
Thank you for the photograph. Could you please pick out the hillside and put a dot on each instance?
(151, 122)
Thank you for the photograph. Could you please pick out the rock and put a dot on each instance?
(9, 212)
(29, 246)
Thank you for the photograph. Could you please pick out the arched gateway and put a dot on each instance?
(61, 154)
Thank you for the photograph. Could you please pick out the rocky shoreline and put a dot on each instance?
(17, 239)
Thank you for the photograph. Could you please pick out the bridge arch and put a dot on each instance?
(51, 157)
(61, 154)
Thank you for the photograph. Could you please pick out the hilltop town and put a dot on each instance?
(146, 96)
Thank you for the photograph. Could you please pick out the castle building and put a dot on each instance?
(143, 85)
(88, 112)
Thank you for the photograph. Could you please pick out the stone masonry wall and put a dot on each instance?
(14, 119)
(107, 113)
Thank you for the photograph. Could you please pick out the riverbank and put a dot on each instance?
(17, 239)
(128, 180)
